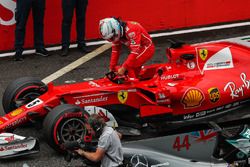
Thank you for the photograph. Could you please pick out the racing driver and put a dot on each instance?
(135, 37)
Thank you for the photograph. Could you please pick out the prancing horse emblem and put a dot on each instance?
(122, 96)
(203, 54)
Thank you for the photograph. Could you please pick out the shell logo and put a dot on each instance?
(16, 112)
(192, 98)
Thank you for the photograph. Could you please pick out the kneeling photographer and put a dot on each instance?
(109, 148)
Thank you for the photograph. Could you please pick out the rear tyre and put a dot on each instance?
(65, 123)
(22, 91)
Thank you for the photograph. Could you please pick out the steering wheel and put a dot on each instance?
(113, 77)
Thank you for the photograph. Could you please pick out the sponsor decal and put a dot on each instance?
(168, 77)
(10, 5)
(73, 115)
(162, 98)
(214, 94)
(161, 95)
(122, 96)
(220, 60)
(235, 91)
(15, 123)
(91, 100)
(13, 147)
(195, 115)
(139, 160)
(16, 112)
(213, 110)
(10, 138)
(34, 103)
(217, 65)
(191, 65)
(203, 54)
(203, 135)
(1, 122)
(192, 98)
(214, 60)
(132, 42)
(131, 34)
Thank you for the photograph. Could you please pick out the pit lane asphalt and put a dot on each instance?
(42, 67)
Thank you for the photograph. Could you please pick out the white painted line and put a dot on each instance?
(31, 51)
(152, 35)
(201, 29)
(76, 63)
(238, 40)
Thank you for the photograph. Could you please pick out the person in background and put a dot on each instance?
(135, 37)
(23, 9)
(68, 7)
(109, 148)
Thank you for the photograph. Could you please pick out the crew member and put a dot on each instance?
(109, 148)
(135, 37)
(23, 9)
(68, 7)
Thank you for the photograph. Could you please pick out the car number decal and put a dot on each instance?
(34, 103)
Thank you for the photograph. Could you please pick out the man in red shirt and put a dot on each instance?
(135, 37)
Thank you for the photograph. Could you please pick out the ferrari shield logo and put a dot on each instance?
(122, 96)
(203, 54)
(192, 98)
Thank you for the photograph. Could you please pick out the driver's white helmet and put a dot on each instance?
(110, 29)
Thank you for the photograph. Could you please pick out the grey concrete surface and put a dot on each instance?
(41, 67)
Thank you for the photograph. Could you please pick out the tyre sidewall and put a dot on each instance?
(54, 120)
(17, 86)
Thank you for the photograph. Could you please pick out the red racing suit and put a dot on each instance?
(141, 48)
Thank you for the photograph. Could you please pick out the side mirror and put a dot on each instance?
(187, 56)
(160, 71)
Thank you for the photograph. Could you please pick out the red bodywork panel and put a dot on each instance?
(198, 81)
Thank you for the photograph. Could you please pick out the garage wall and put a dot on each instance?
(163, 15)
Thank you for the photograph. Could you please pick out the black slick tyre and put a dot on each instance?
(22, 91)
(65, 123)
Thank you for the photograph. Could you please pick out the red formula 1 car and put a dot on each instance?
(198, 82)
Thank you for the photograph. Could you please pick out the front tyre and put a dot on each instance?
(65, 123)
(22, 91)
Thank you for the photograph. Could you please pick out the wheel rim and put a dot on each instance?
(27, 95)
(72, 130)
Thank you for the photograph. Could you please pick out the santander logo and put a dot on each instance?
(13, 147)
(9, 5)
